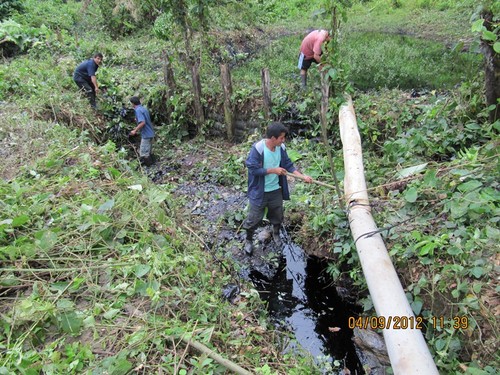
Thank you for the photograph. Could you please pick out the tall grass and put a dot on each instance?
(390, 60)
(374, 60)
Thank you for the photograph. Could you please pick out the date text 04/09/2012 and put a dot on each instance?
(406, 322)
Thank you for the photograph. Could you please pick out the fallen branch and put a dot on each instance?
(70, 269)
(313, 181)
(215, 356)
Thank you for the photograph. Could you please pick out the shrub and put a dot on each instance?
(7, 7)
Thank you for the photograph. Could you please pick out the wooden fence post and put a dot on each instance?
(198, 107)
(266, 92)
(168, 78)
(227, 89)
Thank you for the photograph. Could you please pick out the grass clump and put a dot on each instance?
(402, 61)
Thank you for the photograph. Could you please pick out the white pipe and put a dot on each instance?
(406, 346)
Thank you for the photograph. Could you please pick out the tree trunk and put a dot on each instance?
(227, 89)
(491, 70)
(198, 107)
(192, 65)
(168, 78)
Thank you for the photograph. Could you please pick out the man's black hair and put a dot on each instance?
(135, 100)
(275, 129)
(98, 54)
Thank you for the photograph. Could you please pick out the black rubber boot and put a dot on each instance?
(276, 235)
(249, 243)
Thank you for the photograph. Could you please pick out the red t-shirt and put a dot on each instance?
(312, 43)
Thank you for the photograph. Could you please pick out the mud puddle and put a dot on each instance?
(302, 300)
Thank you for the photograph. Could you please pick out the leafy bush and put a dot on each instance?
(21, 36)
(8, 7)
(53, 14)
(117, 18)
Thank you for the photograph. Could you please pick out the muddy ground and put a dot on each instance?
(213, 212)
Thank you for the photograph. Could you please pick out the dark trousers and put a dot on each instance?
(88, 89)
(273, 201)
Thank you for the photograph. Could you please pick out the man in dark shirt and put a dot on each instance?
(145, 127)
(85, 79)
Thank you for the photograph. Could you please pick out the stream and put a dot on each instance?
(301, 299)
(299, 293)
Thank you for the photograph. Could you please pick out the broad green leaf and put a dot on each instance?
(121, 367)
(106, 206)
(136, 337)
(473, 126)
(417, 306)
(410, 171)
(89, 322)
(496, 47)
(458, 208)
(84, 226)
(70, 322)
(428, 248)
(114, 172)
(9, 280)
(333, 73)
(489, 36)
(476, 371)
(294, 155)
(100, 219)
(492, 233)
(476, 287)
(157, 195)
(77, 281)
(411, 195)
(454, 250)
(65, 304)
(141, 269)
(115, 365)
(469, 186)
(191, 270)
(111, 313)
(477, 272)
(460, 172)
(58, 286)
(478, 26)
(430, 178)
(14, 252)
(440, 344)
(207, 361)
(47, 240)
(122, 233)
(20, 220)
(426, 261)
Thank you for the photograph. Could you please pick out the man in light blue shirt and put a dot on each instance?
(268, 164)
(145, 126)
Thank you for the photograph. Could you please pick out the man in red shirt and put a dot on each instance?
(310, 52)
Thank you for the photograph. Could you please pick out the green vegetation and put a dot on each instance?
(101, 272)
